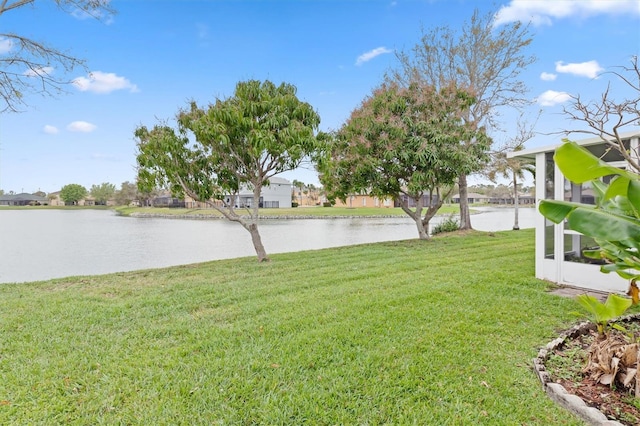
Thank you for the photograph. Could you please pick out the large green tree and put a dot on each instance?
(480, 58)
(234, 143)
(35, 66)
(404, 143)
(127, 193)
(72, 193)
(103, 192)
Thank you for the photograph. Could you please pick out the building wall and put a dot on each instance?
(364, 201)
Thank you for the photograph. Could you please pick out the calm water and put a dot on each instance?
(43, 244)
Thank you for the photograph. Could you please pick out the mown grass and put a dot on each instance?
(409, 332)
(291, 212)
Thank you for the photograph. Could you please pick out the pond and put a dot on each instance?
(44, 244)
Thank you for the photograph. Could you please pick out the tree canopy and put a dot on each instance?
(72, 193)
(29, 64)
(235, 143)
(480, 58)
(404, 143)
(103, 192)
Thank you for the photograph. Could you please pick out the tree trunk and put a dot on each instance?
(516, 226)
(253, 226)
(465, 216)
(423, 232)
(257, 242)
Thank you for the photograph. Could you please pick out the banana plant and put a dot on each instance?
(602, 314)
(613, 222)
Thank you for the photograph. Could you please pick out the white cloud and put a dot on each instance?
(543, 12)
(5, 45)
(39, 72)
(365, 57)
(50, 130)
(547, 76)
(98, 156)
(589, 69)
(81, 126)
(92, 14)
(102, 82)
(551, 98)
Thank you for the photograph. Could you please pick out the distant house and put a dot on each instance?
(473, 197)
(273, 196)
(22, 199)
(54, 199)
(277, 194)
(411, 202)
(359, 200)
(523, 199)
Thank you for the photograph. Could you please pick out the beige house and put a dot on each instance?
(55, 200)
(365, 201)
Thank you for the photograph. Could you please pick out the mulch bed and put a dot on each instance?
(564, 365)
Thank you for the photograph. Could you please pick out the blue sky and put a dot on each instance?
(153, 56)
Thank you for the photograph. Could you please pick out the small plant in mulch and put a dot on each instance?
(601, 366)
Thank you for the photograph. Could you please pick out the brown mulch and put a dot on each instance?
(565, 367)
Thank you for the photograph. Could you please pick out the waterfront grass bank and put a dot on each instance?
(408, 332)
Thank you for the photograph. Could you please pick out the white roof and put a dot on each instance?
(279, 181)
(531, 153)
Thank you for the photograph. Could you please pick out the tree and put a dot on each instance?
(513, 168)
(238, 142)
(607, 117)
(127, 193)
(103, 192)
(29, 65)
(485, 61)
(404, 143)
(72, 193)
(297, 186)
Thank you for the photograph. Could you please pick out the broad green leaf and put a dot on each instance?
(618, 186)
(617, 305)
(579, 165)
(633, 194)
(556, 211)
(604, 225)
(594, 307)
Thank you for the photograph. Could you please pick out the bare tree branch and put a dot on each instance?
(606, 118)
(29, 65)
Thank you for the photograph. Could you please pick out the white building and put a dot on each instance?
(275, 195)
(559, 249)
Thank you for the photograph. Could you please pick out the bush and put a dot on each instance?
(450, 224)
(294, 204)
(326, 204)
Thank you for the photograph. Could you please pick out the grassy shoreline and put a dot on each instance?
(291, 213)
(387, 333)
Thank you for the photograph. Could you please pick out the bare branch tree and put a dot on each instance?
(480, 58)
(28, 65)
(606, 118)
(513, 168)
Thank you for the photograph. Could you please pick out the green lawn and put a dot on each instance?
(298, 211)
(410, 332)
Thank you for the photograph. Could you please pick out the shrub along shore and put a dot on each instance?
(409, 332)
